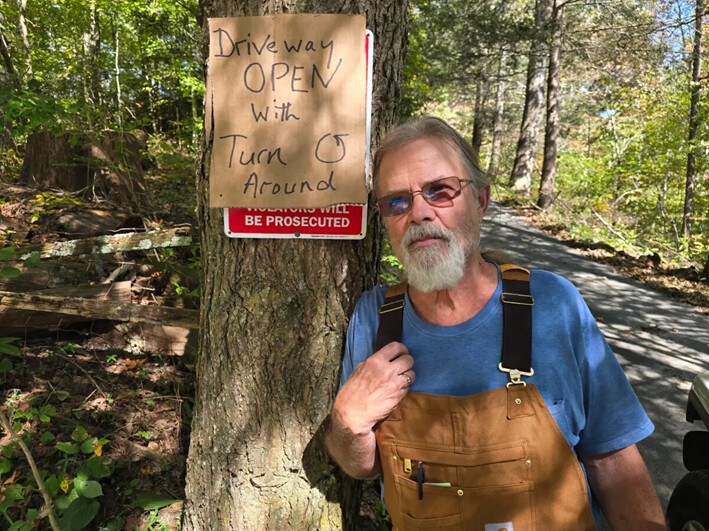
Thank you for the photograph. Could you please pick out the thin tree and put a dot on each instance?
(481, 89)
(521, 178)
(273, 320)
(693, 122)
(498, 118)
(551, 134)
(22, 6)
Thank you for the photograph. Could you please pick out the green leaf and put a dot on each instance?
(46, 437)
(114, 524)
(91, 489)
(89, 445)
(5, 365)
(46, 412)
(96, 467)
(17, 426)
(15, 492)
(52, 485)
(6, 347)
(78, 515)
(79, 434)
(68, 448)
(33, 259)
(63, 502)
(5, 466)
(8, 253)
(31, 514)
(152, 501)
(10, 272)
(61, 395)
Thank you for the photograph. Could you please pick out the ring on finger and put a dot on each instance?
(408, 379)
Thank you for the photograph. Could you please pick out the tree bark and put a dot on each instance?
(478, 122)
(498, 119)
(693, 122)
(521, 178)
(273, 320)
(91, 49)
(4, 51)
(546, 186)
(117, 72)
(22, 5)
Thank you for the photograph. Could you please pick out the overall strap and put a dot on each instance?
(391, 315)
(517, 323)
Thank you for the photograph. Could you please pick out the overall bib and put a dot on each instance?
(490, 461)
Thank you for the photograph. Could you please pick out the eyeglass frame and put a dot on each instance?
(412, 193)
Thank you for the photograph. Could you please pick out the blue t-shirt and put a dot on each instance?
(575, 371)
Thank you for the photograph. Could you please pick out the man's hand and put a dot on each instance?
(372, 391)
(374, 388)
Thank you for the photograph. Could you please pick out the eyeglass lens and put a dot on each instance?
(439, 193)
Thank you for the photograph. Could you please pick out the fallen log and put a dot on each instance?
(14, 319)
(108, 244)
(94, 309)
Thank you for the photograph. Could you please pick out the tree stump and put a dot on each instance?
(108, 165)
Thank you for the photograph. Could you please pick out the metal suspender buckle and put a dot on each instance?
(517, 298)
(392, 306)
(516, 375)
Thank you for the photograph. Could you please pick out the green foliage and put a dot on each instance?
(74, 482)
(74, 46)
(48, 203)
(150, 501)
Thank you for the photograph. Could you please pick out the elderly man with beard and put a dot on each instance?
(484, 394)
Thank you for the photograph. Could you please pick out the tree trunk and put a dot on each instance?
(22, 5)
(6, 59)
(273, 320)
(693, 122)
(117, 72)
(705, 272)
(477, 138)
(521, 178)
(498, 119)
(546, 186)
(91, 47)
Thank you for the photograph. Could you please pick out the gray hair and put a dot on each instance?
(430, 127)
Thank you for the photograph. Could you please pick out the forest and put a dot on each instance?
(590, 116)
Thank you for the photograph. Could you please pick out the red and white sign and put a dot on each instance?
(338, 222)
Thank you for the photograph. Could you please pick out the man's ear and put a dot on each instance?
(483, 199)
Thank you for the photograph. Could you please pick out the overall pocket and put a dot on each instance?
(464, 488)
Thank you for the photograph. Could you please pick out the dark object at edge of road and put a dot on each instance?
(688, 508)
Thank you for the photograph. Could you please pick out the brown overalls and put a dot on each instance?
(489, 462)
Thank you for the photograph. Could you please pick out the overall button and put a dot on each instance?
(518, 401)
(460, 492)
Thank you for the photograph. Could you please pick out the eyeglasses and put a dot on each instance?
(439, 193)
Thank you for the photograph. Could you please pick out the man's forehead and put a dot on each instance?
(425, 159)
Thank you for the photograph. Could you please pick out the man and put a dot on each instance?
(465, 438)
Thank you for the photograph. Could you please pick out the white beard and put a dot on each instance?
(441, 265)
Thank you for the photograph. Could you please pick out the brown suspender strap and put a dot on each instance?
(391, 315)
(517, 319)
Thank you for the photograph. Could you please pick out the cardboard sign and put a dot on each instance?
(342, 222)
(285, 104)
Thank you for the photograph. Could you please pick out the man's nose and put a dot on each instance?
(420, 209)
